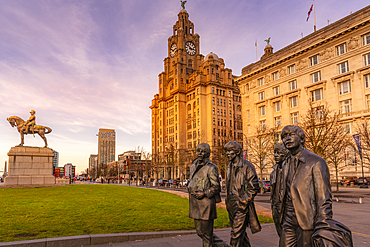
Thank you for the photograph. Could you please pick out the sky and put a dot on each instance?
(84, 65)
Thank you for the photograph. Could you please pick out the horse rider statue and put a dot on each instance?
(31, 122)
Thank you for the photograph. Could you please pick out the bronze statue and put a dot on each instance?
(29, 127)
(183, 4)
(204, 192)
(276, 179)
(306, 209)
(241, 188)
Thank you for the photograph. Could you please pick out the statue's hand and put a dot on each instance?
(198, 194)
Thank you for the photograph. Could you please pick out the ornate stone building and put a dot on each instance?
(330, 65)
(198, 101)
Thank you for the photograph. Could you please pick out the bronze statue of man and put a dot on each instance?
(31, 121)
(204, 192)
(241, 188)
(276, 180)
(306, 212)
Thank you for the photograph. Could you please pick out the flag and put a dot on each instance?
(358, 143)
(309, 12)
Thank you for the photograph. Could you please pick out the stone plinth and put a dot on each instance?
(30, 166)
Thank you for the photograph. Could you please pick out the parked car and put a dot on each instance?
(266, 186)
(361, 181)
(348, 180)
(162, 182)
(184, 183)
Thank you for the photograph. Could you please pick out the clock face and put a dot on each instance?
(190, 48)
(173, 49)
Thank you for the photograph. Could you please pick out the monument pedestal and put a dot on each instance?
(30, 166)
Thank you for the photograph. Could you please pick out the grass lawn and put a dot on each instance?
(29, 213)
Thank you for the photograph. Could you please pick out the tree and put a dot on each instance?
(362, 128)
(325, 135)
(260, 149)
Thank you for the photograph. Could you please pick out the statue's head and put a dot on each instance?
(203, 151)
(293, 136)
(233, 149)
(280, 153)
(32, 112)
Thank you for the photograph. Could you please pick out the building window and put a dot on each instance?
(368, 101)
(262, 110)
(224, 102)
(319, 112)
(367, 80)
(343, 67)
(294, 101)
(198, 112)
(314, 60)
(347, 128)
(366, 39)
(213, 90)
(261, 95)
(230, 113)
(260, 82)
(277, 106)
(317, 95)
(229, 103)
(218, 102)
(229, 93)
(346, 106)
(213, 100)
(275, 76)
(214, 121)
(344, 87)
(315, 77)
(248, 114)
(218, 112)
(294, 118)
(291, 69)
(292, 85)
(213, 110)
(341, 49)
(367, 59)
(198, 101)
(278, 122)
(263, 124)
(276, 90)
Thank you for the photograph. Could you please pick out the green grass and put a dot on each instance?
(30, 213)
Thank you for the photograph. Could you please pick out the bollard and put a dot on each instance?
(352, 184)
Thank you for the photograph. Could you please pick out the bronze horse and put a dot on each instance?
(21, 127)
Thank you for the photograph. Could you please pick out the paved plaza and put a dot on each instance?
(348, 211)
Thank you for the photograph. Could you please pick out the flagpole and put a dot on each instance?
(314, 15)
(256, 51)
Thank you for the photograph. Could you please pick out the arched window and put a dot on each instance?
(189, 107)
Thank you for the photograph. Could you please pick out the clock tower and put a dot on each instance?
(184, 111)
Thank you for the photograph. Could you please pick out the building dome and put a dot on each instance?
(211, 56)
(183, 11)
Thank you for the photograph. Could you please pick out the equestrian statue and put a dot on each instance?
(29, 127)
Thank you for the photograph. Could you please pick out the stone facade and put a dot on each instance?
(30, 166)
(198, 102)
(328, 66)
